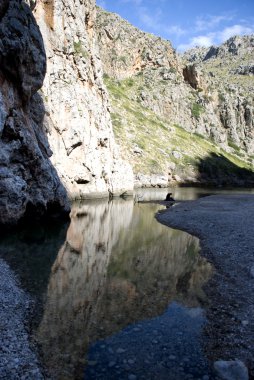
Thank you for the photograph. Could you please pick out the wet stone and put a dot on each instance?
(231, 370)
(132, 377)
(120, 350)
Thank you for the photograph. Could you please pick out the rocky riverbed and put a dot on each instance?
(225, 226)
(17, 359)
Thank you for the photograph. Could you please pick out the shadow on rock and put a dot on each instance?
(29, 184)
(216, 169)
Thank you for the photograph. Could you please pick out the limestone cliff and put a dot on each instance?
(229, 68)
(126, 50)
(28, 181)
(183, 93)
(61, 137)
(77, 118)
(179, 92)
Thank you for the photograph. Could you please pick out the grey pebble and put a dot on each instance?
(120, 350)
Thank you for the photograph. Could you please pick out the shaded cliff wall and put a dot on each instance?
(78, 121)
(28, 181)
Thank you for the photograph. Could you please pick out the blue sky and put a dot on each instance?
(187, 23)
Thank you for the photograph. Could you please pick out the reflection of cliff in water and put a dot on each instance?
(117, 266)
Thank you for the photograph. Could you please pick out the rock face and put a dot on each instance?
(77, 118)
(60, 138)
(245, 70)
(226, 66)
(195, 95)
(126, 51)
(130, 53)
(28, 181)
(240, 46)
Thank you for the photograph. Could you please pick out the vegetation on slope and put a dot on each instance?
(153, 146)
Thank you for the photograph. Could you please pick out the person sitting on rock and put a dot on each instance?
(169, 198)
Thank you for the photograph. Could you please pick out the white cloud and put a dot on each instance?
(217, 37)
(205, 41)
(233, 30)
(208, 22)
(176, 30)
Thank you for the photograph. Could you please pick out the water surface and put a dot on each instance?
(118, 268)
(122, 295)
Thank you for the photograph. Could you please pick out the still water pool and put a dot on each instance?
(120, 295)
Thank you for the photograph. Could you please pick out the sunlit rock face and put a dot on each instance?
(109, 273)
(132, 50)
(203, 91)
(77, 118)
(28, 181)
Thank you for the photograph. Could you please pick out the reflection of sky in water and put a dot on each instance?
(165, 347)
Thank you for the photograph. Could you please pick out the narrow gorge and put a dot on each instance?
(177, 119)
(126, 195)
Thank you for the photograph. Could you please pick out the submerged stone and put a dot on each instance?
(231, 370)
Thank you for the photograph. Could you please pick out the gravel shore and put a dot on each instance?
(225, 227)
(17, 360)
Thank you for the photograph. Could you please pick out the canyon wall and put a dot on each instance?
(200, 92)
(56, 135)
(78, 120)
(28, 180)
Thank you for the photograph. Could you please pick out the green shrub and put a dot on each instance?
(197, 110)
(199, 135)
(233, 145)
(129, 82)
(222, 97)
(79, 49)
(105, 76)
(123, 59)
